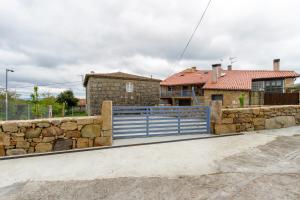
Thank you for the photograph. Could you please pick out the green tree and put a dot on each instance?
(35, 101)
(68, 98)
(242, 100)
(48, 100)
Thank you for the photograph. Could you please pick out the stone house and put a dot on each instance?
(122, 88)
(200, 87)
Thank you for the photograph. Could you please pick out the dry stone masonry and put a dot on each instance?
(145, 92)
(56, 134)
(257, 118)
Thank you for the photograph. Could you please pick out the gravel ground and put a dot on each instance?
(269, 171)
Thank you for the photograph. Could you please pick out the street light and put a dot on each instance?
(6, 93)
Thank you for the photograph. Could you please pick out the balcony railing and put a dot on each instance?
(180, 93)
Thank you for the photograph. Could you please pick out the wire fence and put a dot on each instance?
(25, 111)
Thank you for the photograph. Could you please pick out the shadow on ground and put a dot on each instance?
(270, 171)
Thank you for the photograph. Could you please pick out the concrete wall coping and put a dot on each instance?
(261, 107)
(50, 120)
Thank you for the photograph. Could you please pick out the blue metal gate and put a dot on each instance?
(146, 121)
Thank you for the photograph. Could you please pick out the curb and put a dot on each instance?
(111, 147)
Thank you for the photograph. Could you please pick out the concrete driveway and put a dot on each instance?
(264, 165)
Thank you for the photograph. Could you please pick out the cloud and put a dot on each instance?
(56, 41)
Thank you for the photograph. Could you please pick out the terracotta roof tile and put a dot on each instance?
(231, 80)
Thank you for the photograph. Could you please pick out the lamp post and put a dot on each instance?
(6, 93)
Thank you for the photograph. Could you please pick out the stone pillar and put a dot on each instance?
(106, 133)
(216, 112)
(216, 115)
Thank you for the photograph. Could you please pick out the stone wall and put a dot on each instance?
(98, 89)
(56, 134)
(230, 98)
(257, 118)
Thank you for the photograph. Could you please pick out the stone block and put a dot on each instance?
(103, 141)
(91, 142)
(69, 126)
(256, 111)
(2, 150)
(43, 147)
(82, 143)
(48, 139)
(14, 152)
(18, 139)
(280, 122)
(31, 150)
(43, 124)
(72, 134)
(10, 127)
(18, 134)
(98, 120)
(63, 144)
(242, 120)
(33, 132)
(52, 131)
(33, 144)
(37, 140)
(259, 121)
(225, 128)
(4, 139)
(106, 133)
(91, 131)
(24, 124)
(22, 145)
(227, 120)
(297, 116)
(84, 121)
(56, 122)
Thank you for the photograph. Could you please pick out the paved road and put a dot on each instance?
(262, 165)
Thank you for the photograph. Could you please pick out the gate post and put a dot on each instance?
(106, 114)
(216, 113)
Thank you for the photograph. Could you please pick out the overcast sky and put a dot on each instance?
(55, 41)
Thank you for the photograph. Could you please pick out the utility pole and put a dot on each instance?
(6, 92)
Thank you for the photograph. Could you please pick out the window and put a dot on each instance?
(274, 86)
(258, 86)
(129, 87)
(217, 97)
(279, 83)
(268, 86)
(170, 89)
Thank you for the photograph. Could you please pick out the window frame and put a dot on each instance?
(129, 87)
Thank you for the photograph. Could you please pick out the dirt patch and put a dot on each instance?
(270, 171)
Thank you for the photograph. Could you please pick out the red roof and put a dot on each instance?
(81, 102)
(230, 80)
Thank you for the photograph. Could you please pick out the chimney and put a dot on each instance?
(276, 64)
(229, 68)
(215, 72)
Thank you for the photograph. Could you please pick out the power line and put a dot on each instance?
(51, 84)
(191, 37)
